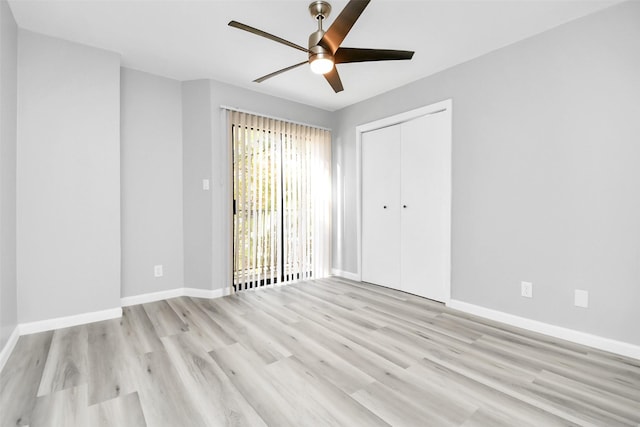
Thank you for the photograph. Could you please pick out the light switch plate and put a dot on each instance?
(526, 289)
(157, 271)
(205, 184)
(581, 298)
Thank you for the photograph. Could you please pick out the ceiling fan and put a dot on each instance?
(324, 46)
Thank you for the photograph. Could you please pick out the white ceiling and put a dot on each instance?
(187, 39)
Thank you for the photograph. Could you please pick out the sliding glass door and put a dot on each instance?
(281, 191)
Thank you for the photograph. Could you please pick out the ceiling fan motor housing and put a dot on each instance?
(315, 50)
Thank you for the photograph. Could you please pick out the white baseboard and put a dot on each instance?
(151, 297)
(345, 274)
(174, 293)
(601, 343)
(207, 293)
(67, 321)
(8, 347)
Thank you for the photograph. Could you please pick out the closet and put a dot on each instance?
(406, 205)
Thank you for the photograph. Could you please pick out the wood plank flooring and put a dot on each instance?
(326, 352)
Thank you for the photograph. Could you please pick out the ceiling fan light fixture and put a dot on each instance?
(321, 65)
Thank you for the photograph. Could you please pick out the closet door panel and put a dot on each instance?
(381, 207)
(425, 175)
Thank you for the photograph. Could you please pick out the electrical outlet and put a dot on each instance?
(581, 298)
(526, 289)
(157, 271)
(205, 184)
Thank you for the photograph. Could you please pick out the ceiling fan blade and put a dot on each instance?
(348, 54)
(342, 24)
(275, 73)
(264, 34)
(334, 80)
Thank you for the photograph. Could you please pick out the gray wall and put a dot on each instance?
(545, 173)
(8, 100)
(207, 220)
(196, 157)
(68, 178)
(151, 187)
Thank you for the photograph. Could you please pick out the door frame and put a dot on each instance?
(442, 107)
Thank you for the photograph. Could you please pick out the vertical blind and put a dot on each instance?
(282, 201)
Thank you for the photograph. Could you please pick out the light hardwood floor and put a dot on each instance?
(328, 352)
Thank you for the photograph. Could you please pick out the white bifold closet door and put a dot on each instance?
(381, 207)
(425, 173)
(406, 168)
